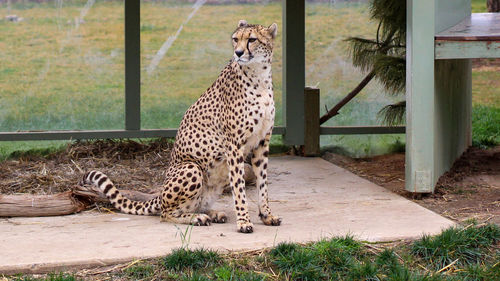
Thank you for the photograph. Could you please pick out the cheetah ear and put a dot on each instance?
(273, 30)
(242, 23)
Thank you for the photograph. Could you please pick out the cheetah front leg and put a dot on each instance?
(259, 165)
(237, 183)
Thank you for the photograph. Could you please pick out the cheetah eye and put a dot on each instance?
(235, 40)
(251, 40)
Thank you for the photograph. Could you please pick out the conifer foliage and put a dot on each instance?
(384, 56)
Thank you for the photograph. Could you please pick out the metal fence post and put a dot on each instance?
(132, 65)
(293, 70)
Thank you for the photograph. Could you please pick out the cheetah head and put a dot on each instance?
(253, 43)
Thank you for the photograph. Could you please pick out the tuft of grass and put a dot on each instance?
(195, 277)
(181, 259)
(227, 273)
(337, 254)
(464, 246)
(481, 272)
(140, 271)
(333, 257)
(50, 277)
(284, 249)
(364, 271)
(300, 265)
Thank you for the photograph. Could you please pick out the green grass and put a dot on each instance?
(485, 126)
(479, 6)
(457, 253)
(23, 148)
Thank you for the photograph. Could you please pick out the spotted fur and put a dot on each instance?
(233, 119)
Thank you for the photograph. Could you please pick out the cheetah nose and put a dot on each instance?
(239, 53)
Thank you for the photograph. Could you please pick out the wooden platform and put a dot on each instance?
(478, 27)
(477, 36)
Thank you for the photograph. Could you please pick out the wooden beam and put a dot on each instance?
(311, 111)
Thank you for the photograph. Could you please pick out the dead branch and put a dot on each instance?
(335, 110)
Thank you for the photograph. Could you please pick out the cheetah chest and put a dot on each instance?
(262, 119)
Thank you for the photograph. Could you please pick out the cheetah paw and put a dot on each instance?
(201, 220)
(245, 227)
(270, 220)
(218, 217)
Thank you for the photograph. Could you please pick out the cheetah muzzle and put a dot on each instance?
(233, 119)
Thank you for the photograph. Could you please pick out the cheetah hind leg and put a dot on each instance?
(181, 196)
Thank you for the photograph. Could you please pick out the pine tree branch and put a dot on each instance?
(393, 114)
(335, 110)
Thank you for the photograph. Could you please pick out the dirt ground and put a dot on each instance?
(470, 190)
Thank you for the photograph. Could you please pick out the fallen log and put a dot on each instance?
(28, 205)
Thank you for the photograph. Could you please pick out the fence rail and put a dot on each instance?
(170, 133)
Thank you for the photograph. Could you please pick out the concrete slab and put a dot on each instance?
(315, 198)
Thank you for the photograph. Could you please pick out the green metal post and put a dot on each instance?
(294, 71)
(132, 65)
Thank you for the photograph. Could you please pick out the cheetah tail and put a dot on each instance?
(121, 203)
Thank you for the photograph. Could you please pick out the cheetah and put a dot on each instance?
(232, 120)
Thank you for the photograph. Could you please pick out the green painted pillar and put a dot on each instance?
(294, 71)
(420, 113)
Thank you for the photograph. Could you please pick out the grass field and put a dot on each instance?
(461, 253)
(62, 66)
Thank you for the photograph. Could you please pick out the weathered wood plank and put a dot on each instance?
(466, 49)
